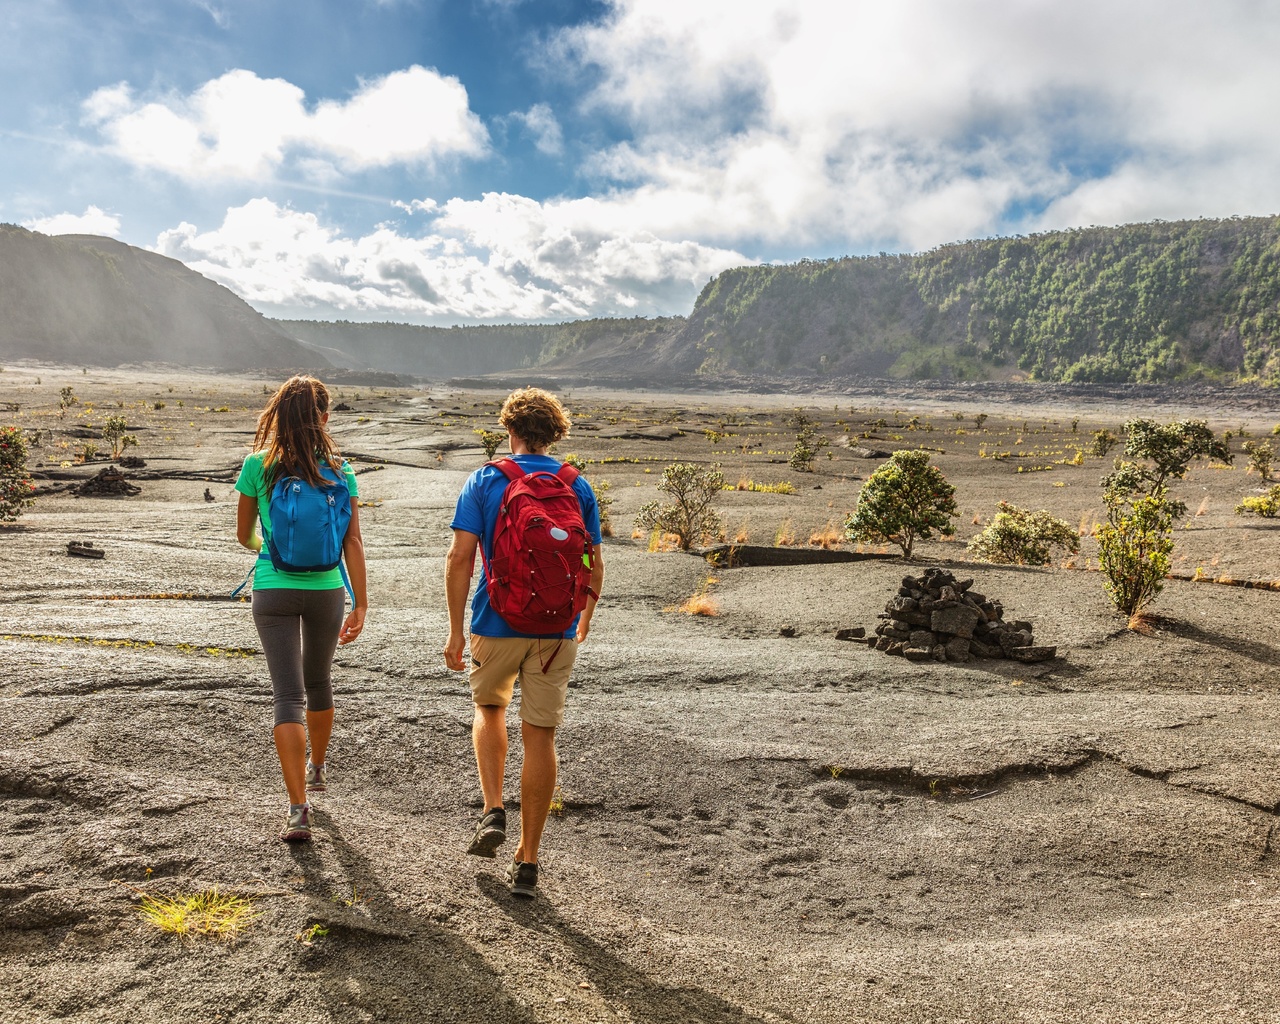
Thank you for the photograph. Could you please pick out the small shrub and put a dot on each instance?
(1166, 451)
(115, 434)
(808, 444)
(1103, 441)
(491, 440)
(604, 501)
(16, 487)
(1018, 536)
(1133, 549)
(903, 501)
(691, 514)
(1260, 457)
(158, 406)
(784, 535)
(980, 419)
(67, 397)
(1265, 505)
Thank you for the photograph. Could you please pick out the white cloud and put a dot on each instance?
(92, 222)
(541, 125)
(240, 126)
(918, 122)
(501, 257)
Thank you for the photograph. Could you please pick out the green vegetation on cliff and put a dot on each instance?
(1143, 302)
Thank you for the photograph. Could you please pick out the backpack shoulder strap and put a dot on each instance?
(510, 468)
(568, 473)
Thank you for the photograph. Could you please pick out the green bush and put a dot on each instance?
(1133, 549)
(604, 501)
(1260, 458)
(1103, 441)
(115, 434)
(1018, 536)
(16, 487)
(691, 514)
(903, 501)
(1265, 505)
(490, 440)
(1166, 451)
(808, 444)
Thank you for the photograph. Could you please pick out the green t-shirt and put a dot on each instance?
(252, 481)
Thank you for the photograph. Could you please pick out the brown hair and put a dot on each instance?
(535, 416)
(291, 430)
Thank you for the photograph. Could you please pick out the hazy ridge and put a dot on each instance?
(89, 299)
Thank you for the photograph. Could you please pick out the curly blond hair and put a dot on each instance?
(535, 416)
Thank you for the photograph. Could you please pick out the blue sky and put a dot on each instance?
(453, 161)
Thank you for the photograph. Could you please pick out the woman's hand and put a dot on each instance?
(352, 628)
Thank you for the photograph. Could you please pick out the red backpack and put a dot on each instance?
(540, 575)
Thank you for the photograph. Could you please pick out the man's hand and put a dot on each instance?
(584, 627)
(453, 652)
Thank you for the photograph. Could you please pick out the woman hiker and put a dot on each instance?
(298, 614)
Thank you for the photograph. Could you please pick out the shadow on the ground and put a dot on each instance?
(387, 963)
(1262, 653)
(617, 981)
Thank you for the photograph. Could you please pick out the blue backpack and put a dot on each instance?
(308, 525)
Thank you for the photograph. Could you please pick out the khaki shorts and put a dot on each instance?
(497, 662)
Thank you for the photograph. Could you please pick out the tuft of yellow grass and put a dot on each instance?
(829, 536)
(209, 913)
(740, 535)
(785, 535)
(1204, 506)
(701, 604)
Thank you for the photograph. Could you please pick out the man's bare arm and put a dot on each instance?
(459, 565)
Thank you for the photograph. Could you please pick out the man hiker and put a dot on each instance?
(536, 524)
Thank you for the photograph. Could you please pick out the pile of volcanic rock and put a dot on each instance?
(937, 617)
(109, 482)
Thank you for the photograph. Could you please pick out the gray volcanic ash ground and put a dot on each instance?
(756, 826)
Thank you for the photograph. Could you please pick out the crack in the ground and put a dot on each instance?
(964, 786)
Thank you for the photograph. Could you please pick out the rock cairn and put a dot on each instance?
(937, 617)
(109, 482)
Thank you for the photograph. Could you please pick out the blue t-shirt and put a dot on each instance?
(477, 512)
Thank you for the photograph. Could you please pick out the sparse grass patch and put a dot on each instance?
(785, 535)
(209, 913)
(827, 537)
(746, 484)
(700, 602)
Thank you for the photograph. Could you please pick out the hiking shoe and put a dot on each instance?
(490, 834)
(297, 827)
(523, 879)
(317, 780)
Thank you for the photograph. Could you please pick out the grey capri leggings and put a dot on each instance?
(299, 633)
